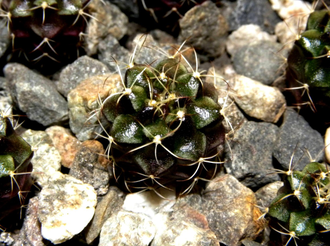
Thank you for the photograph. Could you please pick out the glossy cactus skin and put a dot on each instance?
(309, 66)
(302, 206)
(164, 128)
(45, 29)
(15, 169)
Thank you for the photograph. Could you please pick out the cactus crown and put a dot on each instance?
(45, 28)
(302, 205)
(164, 127)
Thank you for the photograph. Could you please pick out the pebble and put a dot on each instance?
(148, 50)
(30, 234)
(91, 166)
(266, 194)
(127, 228)
(258, 100)
(296, 138)
(257, 12)
(46, 158)
(245, 34)
(4, 38)
(81, 69)
(260, 60)
(149, 203)
(230, 210)
(66, 144)
(66, 206)
(327, 145)
(35, 95)
(108, 205)
(294, 14)
(112, 53)
(210, 40)
(84, 104)
(251, 154)
(108, 20)
(288, 9)
(184, 226)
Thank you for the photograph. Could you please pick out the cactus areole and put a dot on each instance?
(15, 169)
(45, 28)
(301, 209)
(164, 128)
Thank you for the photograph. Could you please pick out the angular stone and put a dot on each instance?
(81, 69)
(108, 20)
(66, 206)
(126, 228)
(257, 12)
(266, 194)
(91, 166)
(257, 100)
(250, 159)
(30, 234)
(230, 210)
(246, 34)
(110, 52)
(84, 104)
(260, 60)
(35, 95)
(183, 226)
(327, 145)
(296, 138)
(210, 40)
(106, 207)
(66, 144)
(46, 159)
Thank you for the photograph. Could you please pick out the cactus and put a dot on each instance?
(309, 66)
(301, 209)
(163, 128)
(15, 169)
(44, 29)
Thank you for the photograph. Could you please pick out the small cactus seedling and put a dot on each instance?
(164, 128)
(309, 66)
(47, 29)
(15, 169)
(301, 209)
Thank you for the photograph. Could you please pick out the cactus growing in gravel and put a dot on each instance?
(301, 209)
(164, 127)
(309, 66)
(45, 28)
(15, 169)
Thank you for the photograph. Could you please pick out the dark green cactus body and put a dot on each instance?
(309, 65)
(302, 205)
(165, 128)
(47, 29)
(15, 168)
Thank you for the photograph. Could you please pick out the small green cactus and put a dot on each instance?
(301, 209)
(15, 169)
(45, 28)
(309, 66)
(164, 128)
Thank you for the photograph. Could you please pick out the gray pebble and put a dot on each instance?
(295, 138)
(35, 95)
(260, 60)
